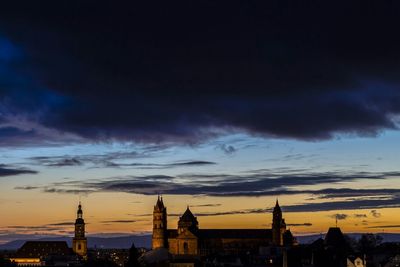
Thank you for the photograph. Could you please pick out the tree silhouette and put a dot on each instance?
(133, 257)
(368, 242)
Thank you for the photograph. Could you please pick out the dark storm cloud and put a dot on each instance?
(6, 170)
(189, 71)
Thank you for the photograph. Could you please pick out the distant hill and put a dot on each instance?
(99, 242)
(387, 237)
(145, 240)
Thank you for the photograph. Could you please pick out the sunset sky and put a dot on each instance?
(222, 106)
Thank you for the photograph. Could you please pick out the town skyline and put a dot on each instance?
(222, 107)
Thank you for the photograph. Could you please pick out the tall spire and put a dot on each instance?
(277, 208)
(278, 225)
(160, 204)
(79, 212)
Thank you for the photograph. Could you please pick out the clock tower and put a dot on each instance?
(79, 243)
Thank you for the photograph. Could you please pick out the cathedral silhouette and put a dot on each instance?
(190, 239)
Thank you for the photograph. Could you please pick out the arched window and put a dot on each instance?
(185, 248)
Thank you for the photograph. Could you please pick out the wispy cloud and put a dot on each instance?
(300, 224)
(119, 221)
(339, 216)
(257, 183)
(26, 187)
(385, 226)
(360, 215)
(61, 224)
(393, 201)
(207, 205)
(375, 214)
(227, 149)
(8, 170)
(112, 160)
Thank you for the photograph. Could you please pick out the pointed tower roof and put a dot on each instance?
(334, 237)
(79, 214)
(80, 208)
(187, 216)
(277, 208)
(160, 204)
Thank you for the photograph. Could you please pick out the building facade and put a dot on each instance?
(79, 242)
(44, 253)
(190, 239)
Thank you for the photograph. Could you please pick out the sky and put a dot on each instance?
(224, 106)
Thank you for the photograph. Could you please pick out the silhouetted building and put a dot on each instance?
(332, 251)
(133, 257)
(393, 262)
(189, 239)
(278, 225)
(44, 253)
(159, 238)
(356, 261)
(79, 242)
(334, 238)
(55, 253)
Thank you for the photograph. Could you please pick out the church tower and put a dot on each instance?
(159, 239)
(278, 226)
(79, 243)
(188, 222)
